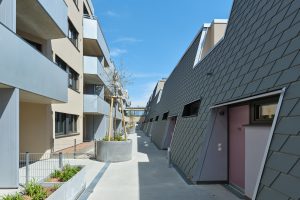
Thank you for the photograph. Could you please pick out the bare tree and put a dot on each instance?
(119, 78)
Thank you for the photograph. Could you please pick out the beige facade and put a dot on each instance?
(73, 56)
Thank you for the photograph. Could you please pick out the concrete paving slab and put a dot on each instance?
(148, 177)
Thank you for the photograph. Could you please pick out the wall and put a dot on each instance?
(9, 137)
(256, 138)
(214, 160)
(35, 125)
(95, 127)
(259, 53)
(8, 13)
(74, 58)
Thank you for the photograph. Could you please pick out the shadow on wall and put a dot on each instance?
(36, 128)
(4, 98)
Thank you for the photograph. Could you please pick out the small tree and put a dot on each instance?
(119, 78)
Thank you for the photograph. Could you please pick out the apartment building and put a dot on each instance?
(53, 54)
(99, 86)
(232, 113)
(30, 80)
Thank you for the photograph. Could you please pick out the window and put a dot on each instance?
(65, 124)
(73, 79)
(165, 116)
(85, 10)
(263, 111)
(61, 63)
(73, 34)
(191, 109)
(73, 82)
(156, 118)
(151, 119)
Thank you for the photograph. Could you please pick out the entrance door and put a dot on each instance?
(238, 117)
(170, 132)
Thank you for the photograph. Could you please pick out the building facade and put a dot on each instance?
(231, 116)
(55, 55)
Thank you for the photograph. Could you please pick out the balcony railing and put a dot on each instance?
(95, 105)
(24, 67)
(92, 33)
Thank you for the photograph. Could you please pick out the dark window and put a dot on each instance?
(73, 34)
(151, 119)
(263, 111)
(61, 63)
(165, 116)
(35, 45)
(73, 79)
(73, 82)
(65, 124)
(191, 109)
(85, 10)
(156, 118)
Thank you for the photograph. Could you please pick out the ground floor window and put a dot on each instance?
(263, 111)
(65, 124)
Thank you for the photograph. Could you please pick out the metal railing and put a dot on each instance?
(38, 166)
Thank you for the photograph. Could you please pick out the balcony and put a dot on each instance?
(93, 104)
(23, 67)
(94, 72)
(94, 43)
(43, 18)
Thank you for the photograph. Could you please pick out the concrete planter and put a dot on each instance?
(114, 151)
(131, 130)
(71, 189)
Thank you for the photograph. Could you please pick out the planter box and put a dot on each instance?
(114, 151)
(131, 130)
(69, 190)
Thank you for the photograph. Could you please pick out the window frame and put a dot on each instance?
(70, 71)
(165, 116)
(261, 102)
(73, 34)
(68, 124)
(187, 109)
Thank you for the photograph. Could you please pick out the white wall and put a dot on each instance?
(9, 138)
(255, 143)
(8, 13)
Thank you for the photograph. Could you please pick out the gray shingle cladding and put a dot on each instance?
(260, 53)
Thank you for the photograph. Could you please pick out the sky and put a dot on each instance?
(147, 38)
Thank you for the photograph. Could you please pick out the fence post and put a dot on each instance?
(95, 148)
(74, 148)
(27, 166)
(60, 160)
(169, 157)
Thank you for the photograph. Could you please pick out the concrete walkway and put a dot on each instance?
(147, 177)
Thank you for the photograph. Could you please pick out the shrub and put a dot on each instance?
(35, 191)
(66, 173)
(13, 197)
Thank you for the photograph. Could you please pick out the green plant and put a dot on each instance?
(55, 187)
(55, 174)
(35, 191)
(66, 173)
(13, 197)
(117, 137)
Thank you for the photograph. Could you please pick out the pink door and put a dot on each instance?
(238, 117)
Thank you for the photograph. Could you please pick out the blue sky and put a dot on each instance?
(149, 36)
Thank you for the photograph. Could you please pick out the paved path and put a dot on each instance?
(147, 177)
